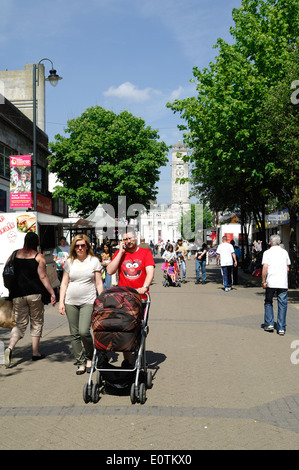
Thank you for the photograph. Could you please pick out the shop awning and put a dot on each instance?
(48, 219)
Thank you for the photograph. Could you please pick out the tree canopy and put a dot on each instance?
(104, 156)
(232, 167)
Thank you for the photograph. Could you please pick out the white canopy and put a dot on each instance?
(101, 219)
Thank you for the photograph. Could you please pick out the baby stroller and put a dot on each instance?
(167, 280)
(119, 324)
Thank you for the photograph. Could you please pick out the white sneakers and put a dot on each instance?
(270, 328)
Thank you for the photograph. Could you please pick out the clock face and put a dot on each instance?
(180, 172)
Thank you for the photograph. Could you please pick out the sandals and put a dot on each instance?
(7, 357)
(81, 370)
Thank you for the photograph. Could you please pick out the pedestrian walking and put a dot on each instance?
(105, 258)
(275, 271)
(60, 255)
(181, 254)
(30, 280)
(225, 252)
(200, 264)
(238, 254)
(80, 283)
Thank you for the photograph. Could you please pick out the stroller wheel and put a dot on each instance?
(132, 394)
(142, 393)
(86, 396)
(149, 379)
(99, 379)
(95, 393)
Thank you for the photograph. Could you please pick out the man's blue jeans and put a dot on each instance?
(183, 269)
(227, 275)
(282, 304)
(200, 265)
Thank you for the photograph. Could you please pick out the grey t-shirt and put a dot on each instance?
(81, 288)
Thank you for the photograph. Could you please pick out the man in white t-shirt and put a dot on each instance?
(226, 253)
(275, 271)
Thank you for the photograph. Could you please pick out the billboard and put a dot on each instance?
(13, 228)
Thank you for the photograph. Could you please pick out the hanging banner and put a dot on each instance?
(20, 181)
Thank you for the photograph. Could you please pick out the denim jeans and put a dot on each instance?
(227, 275)
(200, 265)
(183, 269)
(282, 303)
(107, 281)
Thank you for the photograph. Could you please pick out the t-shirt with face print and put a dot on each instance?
(131, 271)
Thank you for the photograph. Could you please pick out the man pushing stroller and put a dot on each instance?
(135, 266)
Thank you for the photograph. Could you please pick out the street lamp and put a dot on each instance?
(53, 78)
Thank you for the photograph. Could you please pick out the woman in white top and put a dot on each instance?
(80, 284)
(169, 254)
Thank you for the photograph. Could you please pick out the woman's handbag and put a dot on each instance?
(7, 317)
(9, 271)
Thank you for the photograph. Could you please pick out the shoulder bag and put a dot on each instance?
(9, 271)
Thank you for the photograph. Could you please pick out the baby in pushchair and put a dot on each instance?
(171, 275)
(119, 324)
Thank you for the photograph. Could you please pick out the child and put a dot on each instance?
(170, 271)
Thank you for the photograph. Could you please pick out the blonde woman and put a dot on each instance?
(80, 284)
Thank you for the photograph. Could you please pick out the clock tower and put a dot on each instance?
(179, 169)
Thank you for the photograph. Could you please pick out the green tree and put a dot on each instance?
(104, 156)
(279, 132)
(231, 166)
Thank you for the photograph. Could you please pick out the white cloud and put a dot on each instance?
(175, 94)
(129, 91)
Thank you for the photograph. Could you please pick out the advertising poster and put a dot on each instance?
(20, 181)
(13, 228)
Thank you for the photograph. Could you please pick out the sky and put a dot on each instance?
(133, 55)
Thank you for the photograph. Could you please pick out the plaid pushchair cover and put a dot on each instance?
(117, 320)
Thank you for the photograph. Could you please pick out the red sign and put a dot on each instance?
(229, 236)
(43, 204)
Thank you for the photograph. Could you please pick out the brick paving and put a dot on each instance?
(219, 381)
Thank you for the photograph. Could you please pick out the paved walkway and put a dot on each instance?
(220, 381)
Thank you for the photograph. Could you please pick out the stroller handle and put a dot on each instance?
(147, 300)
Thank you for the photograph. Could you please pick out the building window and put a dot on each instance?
(3, 196)
(5, 153)
(41, 180)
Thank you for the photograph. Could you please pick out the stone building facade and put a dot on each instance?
(17, 87)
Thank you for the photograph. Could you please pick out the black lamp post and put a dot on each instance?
(53, 78)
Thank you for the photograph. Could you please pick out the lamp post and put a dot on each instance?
(53, 78)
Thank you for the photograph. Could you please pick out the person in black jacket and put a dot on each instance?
(26, 293)
(200, 264)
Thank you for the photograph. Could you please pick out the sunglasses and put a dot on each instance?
(80, 246)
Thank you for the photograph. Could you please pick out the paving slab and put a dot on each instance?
(219, 380)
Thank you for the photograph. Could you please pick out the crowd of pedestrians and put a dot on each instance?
(85, 272)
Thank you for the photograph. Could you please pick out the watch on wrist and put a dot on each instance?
(145, 286)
